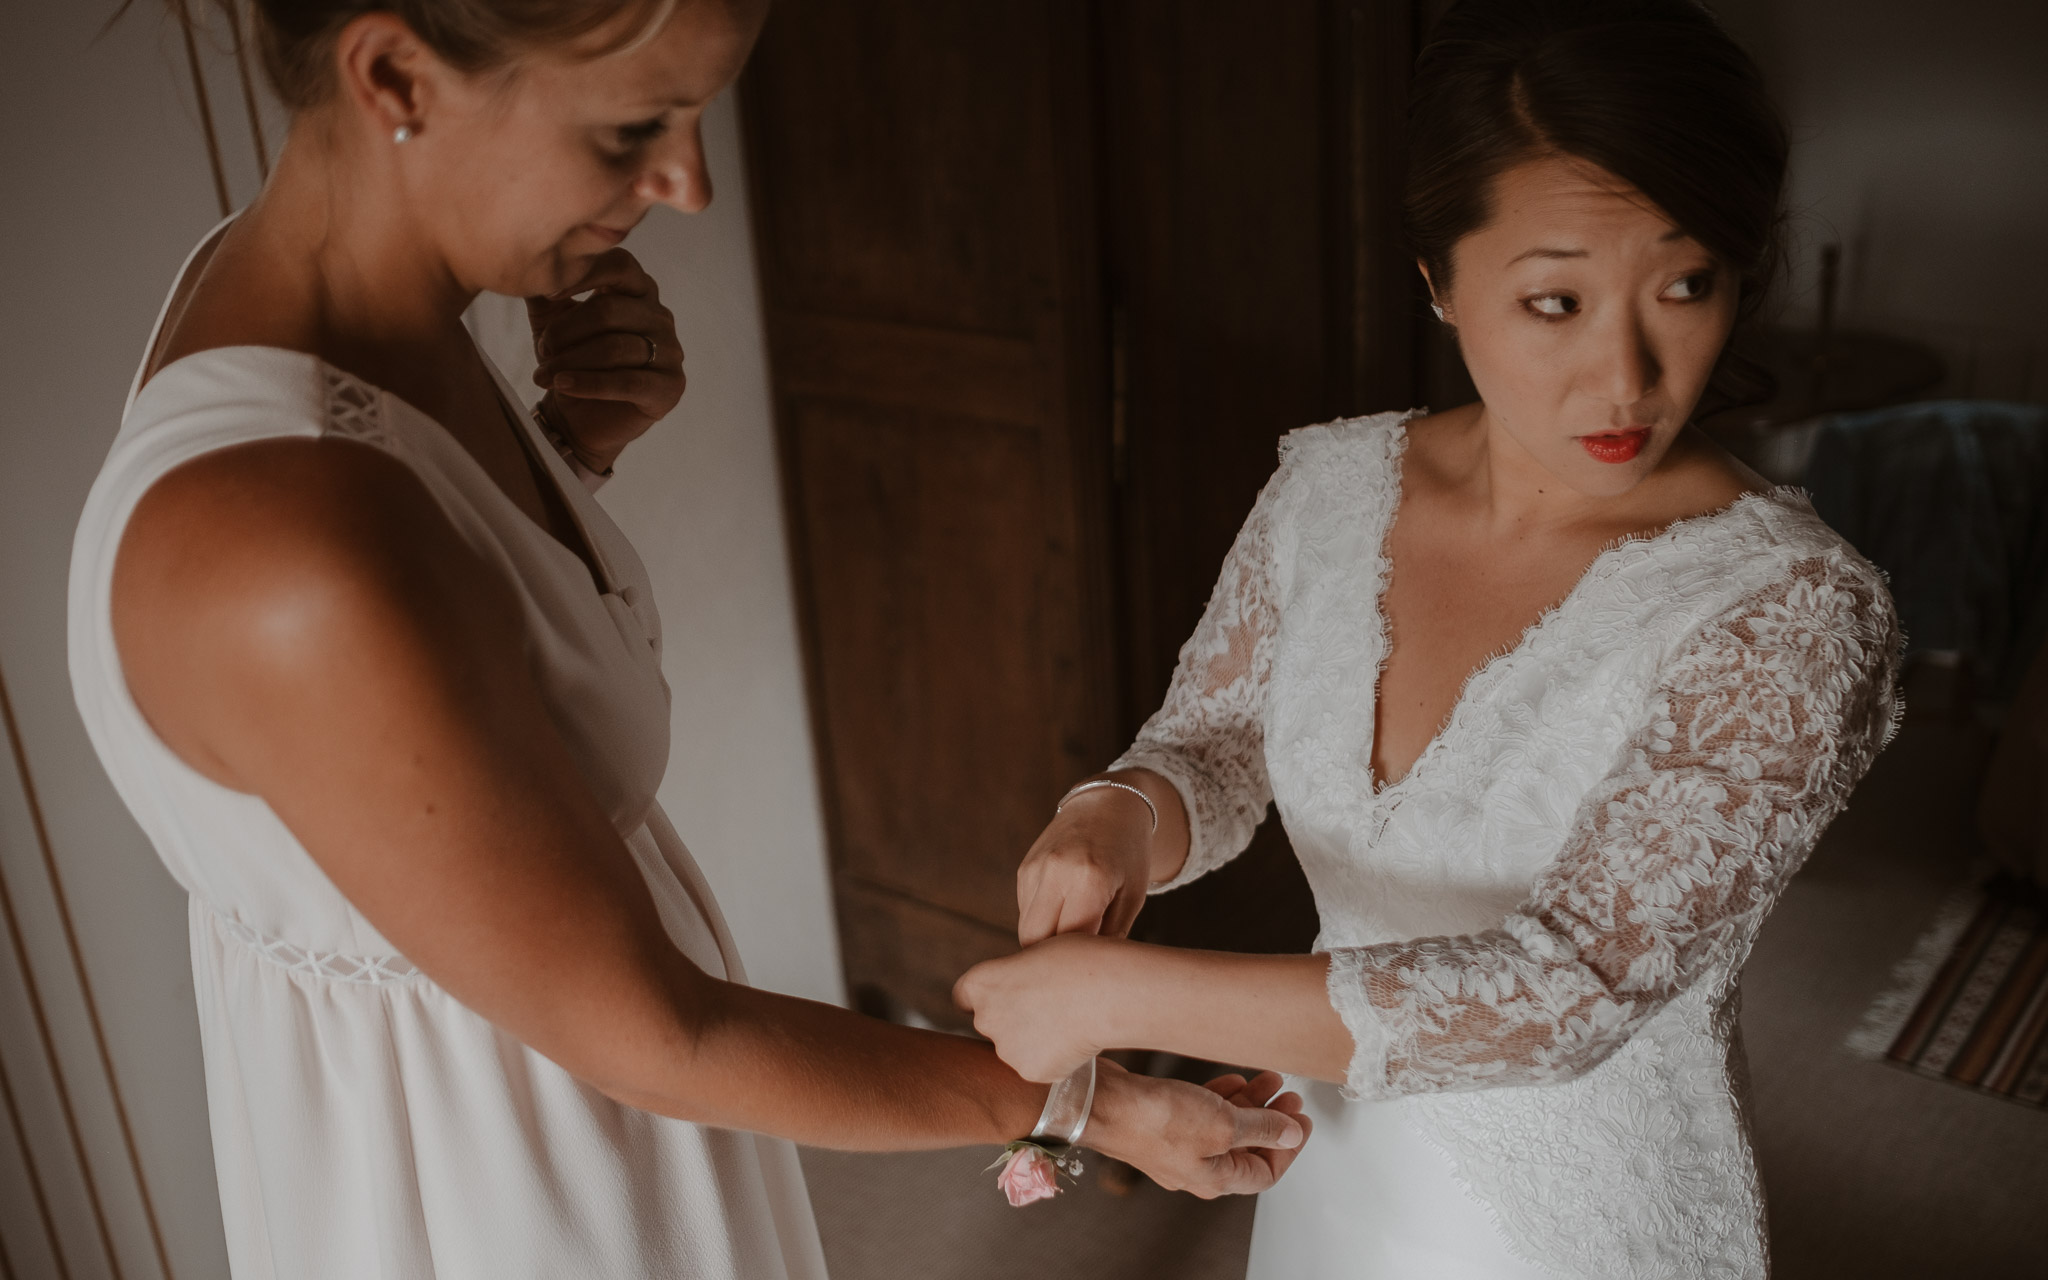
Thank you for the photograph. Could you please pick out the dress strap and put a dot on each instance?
(354, 410)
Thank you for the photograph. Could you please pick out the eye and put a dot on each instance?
(634, 136)
(1691, 288)
(1552, 306)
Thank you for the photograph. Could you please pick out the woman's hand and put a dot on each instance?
(611, 363)
(1229, 1137)
(1050, 1007)
(1042, 1008)
(1090, 867)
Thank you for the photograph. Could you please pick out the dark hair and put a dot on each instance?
(295, 38)
(1653, 91)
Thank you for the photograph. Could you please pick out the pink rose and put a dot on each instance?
(1028, 1176)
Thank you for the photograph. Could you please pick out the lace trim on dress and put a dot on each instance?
(1208, 737)
(335, 966)
(354, 409)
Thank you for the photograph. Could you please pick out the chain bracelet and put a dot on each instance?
(1100, 783)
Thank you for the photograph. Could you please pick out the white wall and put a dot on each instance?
(1920, 144)
(106, 187)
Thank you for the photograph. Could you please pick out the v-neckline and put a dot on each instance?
(1385, 793)
(597, 569)
(542, 460)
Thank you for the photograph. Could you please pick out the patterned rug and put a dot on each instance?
(1971, 1002)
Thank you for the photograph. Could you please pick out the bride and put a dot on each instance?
(383, 686)
(1553, 698)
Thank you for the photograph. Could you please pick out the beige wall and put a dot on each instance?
(1920, 144)
(106, 188)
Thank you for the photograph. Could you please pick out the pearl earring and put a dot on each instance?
(402, 134)
(1439, 310)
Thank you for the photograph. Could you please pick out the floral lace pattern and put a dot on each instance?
(1749, 750)
(1535, 935)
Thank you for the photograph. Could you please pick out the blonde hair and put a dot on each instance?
(295, 38)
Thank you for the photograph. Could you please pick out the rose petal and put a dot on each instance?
(1028, 1177)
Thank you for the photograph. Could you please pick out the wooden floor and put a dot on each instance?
(938, 1216)
(1873, 1173)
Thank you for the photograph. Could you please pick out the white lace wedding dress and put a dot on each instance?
(1535, 936)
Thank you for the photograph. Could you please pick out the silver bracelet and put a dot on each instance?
(1067, 1108)
(1120, 786)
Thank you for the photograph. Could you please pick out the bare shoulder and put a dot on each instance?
(257, 567)
(1441, 446)
(1429, 432)
(1706, 477)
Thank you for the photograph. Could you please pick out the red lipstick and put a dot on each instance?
(1616, 446)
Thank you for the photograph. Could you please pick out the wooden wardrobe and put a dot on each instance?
(1045, 281)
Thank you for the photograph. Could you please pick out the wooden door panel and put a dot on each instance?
(933, 313)
(909, 158)
(958, 205)
(938, 679)
(908, 953)
(972, 375)
(1256, 265)
(1230, 227)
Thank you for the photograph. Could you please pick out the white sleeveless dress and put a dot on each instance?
(366, 1124)
(1535, 936)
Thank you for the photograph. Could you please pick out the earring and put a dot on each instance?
(1439, 310)
(402, 134)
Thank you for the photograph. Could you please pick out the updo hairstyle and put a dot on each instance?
(1653, 91)
(295, 38)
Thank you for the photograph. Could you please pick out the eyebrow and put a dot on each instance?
(1676, 233)
(661, 106)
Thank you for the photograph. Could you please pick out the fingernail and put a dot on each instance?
(1291, 1139)
(566, 381)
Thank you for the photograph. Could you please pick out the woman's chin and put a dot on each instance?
(1594, 476)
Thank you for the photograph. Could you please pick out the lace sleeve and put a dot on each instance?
(1753, 742)
(1208, 738)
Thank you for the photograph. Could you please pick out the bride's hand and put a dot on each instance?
(611, 363)
(1230, 1137)
(1088, 870)
(1039, 1007)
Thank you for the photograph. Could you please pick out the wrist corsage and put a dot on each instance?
(1031, 1166)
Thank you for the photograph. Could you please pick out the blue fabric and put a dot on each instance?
(1950, 499)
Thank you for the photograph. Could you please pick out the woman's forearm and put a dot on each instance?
(1167, 852)
(1252, 1010)
(819, 1075)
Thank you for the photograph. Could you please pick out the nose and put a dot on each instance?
(677, 176)
(1628, 364)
